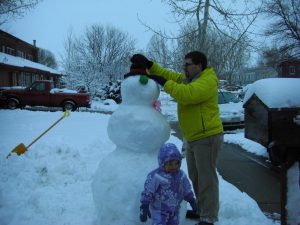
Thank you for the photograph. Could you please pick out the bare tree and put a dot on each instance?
(97, 57)
(226, 61)
(271, 57)
(47, 58)
(15, 8)
(226, 17)
(158, 49)
(286, 26)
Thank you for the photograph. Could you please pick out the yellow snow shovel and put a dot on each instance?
(20, 149)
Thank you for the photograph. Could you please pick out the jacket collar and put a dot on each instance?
(187, 80)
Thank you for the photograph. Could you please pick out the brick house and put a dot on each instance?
(289, 68)
(19, 63)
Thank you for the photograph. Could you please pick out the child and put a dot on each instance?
(165, 188)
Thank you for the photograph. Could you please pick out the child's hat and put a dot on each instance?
(168, 152)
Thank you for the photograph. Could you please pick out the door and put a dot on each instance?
(36, 94)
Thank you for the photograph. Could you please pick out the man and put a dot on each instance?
(196, 93)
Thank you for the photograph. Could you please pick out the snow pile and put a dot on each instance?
(276, 92)
(250, 146)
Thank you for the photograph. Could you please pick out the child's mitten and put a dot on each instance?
(144, 213)
(193, 205)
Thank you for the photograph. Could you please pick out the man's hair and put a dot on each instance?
(197, 58)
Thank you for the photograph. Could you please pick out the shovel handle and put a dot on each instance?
(67, 113)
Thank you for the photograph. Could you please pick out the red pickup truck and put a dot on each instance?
(43, 93)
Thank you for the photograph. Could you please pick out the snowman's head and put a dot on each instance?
(139, 90)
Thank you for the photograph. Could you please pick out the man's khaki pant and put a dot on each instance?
(202, 156)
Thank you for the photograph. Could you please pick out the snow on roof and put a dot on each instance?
(276, 92)
(21, 62)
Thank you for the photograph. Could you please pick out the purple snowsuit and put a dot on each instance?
(165, 191)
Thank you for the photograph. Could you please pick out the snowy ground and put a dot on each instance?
(51, 183)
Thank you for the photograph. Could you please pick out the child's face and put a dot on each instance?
(172, 166)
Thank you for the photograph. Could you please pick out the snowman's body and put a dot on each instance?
(138, 130)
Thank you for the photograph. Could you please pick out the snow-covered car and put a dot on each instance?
(231, 110)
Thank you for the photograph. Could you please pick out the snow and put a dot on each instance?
(248, 145)
(276, 92)
(63, 90)
(21, 62)
(297, 119)
(108, 105)
(51, 182)
(293, 183)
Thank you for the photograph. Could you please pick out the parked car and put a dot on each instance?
(230, 105)
(43, 93)
(231, 110)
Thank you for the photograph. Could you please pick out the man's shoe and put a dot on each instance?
(204, 223)
(190, 214)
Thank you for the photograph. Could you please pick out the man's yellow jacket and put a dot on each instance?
(197, 101)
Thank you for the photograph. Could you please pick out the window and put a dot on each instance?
(292, 70)
(14, 79)
(20, 54)
(25, 79)
(10, 51)
(227, 97)
(38, 87)
(22, 79)
(35, 77)
(30, 57)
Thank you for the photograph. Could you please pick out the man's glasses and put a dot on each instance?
(187, 64)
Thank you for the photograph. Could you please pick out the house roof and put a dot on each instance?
(11, 60)
(290, 60)
(16, 39)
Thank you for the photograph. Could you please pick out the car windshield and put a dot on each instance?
(226, 97)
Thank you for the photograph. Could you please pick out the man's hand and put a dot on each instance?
(158, 79)
(141, 61)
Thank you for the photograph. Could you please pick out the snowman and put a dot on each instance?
(139, 130)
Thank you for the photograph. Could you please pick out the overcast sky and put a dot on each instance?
(51, 20)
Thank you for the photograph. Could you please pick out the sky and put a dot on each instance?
(51, 20)
(51, 182)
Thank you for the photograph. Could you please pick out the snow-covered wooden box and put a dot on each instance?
(272, 116)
